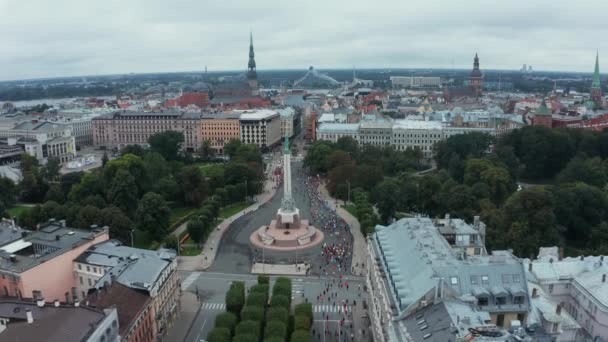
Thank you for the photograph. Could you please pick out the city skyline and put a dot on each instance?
(104, 39)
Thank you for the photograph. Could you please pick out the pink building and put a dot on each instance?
(40, 263)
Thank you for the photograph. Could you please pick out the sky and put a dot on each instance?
(42, 38)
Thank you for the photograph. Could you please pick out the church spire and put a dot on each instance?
(596, 72)
(251, 64)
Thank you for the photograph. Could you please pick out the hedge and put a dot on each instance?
(278, 313)
(248, 328)
(263, 279)
(253, 313)
(275, 329)
(281, 301)
(301, 322)
(235, 297)
(304, 309)
(300, 336)
(226, 320)
(219, 335)
(257, 299)
(245, 338)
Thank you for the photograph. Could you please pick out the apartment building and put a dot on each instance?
(219, 129)
(123, 128)
(151, 272)
(56, 322)
(41, 139)
(413, 266)
(578, 285)
(260, 127)
(27, 263)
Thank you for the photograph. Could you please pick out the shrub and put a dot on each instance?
(235, 297)
(304, 309)
(219, 335)
(248, 328)
(301, 322)
(263, 279)
(260, 288)
(300, 336)
(257, 299)
(226, 320)
(278, 313)
(275, 329)
(245, 338)
(253, 313)
(280, 300)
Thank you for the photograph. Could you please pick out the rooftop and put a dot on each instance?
(330, 127)
(51, 324)
(9, 231)
(51, 240)
(258, 114)
(417, 124)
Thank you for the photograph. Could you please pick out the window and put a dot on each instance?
(80, 280)
(454, 280)
(506, 278)
(90, 282)
(518, 300)
(485, 280)
(474, 280)
(516, 278)
(482, 301)
(79, 266)
(88, 269)
(501, 300)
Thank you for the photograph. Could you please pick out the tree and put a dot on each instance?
(387, 197)
(8, 192)
(300, 336)
(219, 334)
(473, 169)
(302, 322)
(171, 242)
(499, 183)
(582, 169)
(245, 338)
(67, 180)
(194, 186)
(462, 146)
(253, 313)
(119, 223)
(153, 215)
(231, 147)
(136, 150)
(279, 301)
(275, 329)
(257, 299)
(226, 320)
(304, 309)
(51, 169)
(91, 184)
(206, 149)
(88, 216)
(104, 159)
(123, 192)
(54, 193)
(235, 297)
(195, 230)
(248, 328)
(167, 143)
(155, 166)
(317, 156)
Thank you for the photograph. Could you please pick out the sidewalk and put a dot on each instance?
(204, 260)
(359, 245)
(189, 307)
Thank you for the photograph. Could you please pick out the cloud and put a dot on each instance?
(70, 38)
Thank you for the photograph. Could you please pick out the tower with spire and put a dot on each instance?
(596, 87)
(252, 75)
(476, 78)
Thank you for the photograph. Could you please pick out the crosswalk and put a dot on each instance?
(297, 288)
(330, 308)
(214, 306)
(189, 280)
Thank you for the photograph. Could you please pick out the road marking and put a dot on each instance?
(331, 308)
(213, 306)
(190, 279)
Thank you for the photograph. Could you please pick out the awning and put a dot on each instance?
(479, 291)
(499, 291)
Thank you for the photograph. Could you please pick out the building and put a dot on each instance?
(122, 128)
(252, 75)
(476, 78)
(290, 122)
(542, 116)
(27, 264)
(135, 311)
(596, 87)
(577, 285)
(42, 139)
(414, 134)
(375, 131)
(473, 89)
(260, 127)
(550, 316)
(413, 266)
(219, 129)
(415, 81)
(57, 322)
(151, 272)
(334, 131)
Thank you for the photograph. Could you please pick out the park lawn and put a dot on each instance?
(191, 251)
(18, 209)
(351, 208)
(179, 212)
(232, 209)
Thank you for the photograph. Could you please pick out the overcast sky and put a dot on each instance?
(42, 38)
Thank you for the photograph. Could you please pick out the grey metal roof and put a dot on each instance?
(9, 232)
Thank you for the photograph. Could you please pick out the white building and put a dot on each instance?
(42, 139)
(288, 116)
(578, 285)
(260, 127)
(335, 131)
(415, 81)
(413, 134)
(375, 132)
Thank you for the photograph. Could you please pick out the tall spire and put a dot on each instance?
(596, 72)
(251, 64)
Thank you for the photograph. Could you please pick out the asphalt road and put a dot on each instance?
(212, 288)
(236, 254)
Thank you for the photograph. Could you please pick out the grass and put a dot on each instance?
(351, 208)
(179, 212)
(191, 251)
(232, 209)
(18, 210)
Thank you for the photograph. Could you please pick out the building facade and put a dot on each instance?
(219, 129)
(42, 140)
(260, 127)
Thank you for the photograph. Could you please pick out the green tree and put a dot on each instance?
(123, 192)
(51, 169)
(8, 192)
(206, 149)
(153, 215)
(136, 150)
(88, 216)
(194, 186)
(219, 334)
(275, 329)
(235, 297)
(195, 230)
(499, 183)
(226, 320)
(231, 147)
(104, 159)
(54, 193)
(119, 223)
(581, 169)
(248, 328)
(167, 143)
(278, 313)
(253, 313)
(300, 336)
(387, 197)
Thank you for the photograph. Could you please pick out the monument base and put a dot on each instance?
(273, 237)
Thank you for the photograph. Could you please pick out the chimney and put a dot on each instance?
(40, 302)
(530, 266)
(534, 292)
(604, 278)
(447, 220)
(582, 257)
(30, 317)
(56, 302)
(476, 222)
(558, 309)
(561, 253)
(62, 223)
